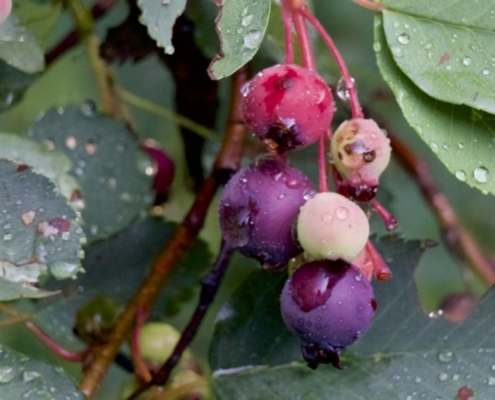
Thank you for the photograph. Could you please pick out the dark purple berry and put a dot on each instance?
(287, 106)
(165, 169)
(328, 305)
(257, 208)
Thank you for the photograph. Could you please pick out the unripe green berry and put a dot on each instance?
(157, 342)
(361, 152)
(330, 226)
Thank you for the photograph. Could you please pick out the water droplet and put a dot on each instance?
(486, 72)
(445, 146)
(7, 225)
(396, 24)
(435, 314)
(460, 145)
(343, 90)
(281, 196)
(466, 61)
(7, 374)
(30, 375)
(245, 89)
(309, 194)
(455, 377)
(418, 379)
(93, 230)
(71, 142)
(403, 38)
(7, 237)
(246, 21)
(397, 51)
(253, 39)
(377, 46)
(461, 175)
(480, 175)
(445, 355)
(434, 147)
(442, 377)
(342, 213)
(88, 109)
(491, 381)
(49, 144)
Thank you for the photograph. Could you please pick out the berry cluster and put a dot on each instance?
(271, 212)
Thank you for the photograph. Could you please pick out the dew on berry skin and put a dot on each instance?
(246, 89)
(309, 194)
(342, 213)
(480, 175)
(327, 218)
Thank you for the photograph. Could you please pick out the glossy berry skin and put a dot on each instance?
(165, 170)
(257, 208)
(360, 152)
(287, 106)
(330, 226)
(328, 305)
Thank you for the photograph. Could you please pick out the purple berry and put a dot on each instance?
(328, 305)
(165, 169)
(287, 106)
(257, 208)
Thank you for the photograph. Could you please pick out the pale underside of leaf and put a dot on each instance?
(463, 138)
(159, 16)
(452, 63)
(241, 26)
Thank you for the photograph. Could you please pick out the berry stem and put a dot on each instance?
(177, 245)
(308, 60)
(389, 220)
(209, 287)
(349, 83)
(381, 271)
(289, 42)
(322, 165)
(140, 368)
(370, 5)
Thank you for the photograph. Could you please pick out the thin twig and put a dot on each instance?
(209, 288)
(179, 243)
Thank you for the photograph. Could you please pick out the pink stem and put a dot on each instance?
(72, 356)
(289, 42)
(380, 269)
(140, 367)
(349, 83)
(389, 220)
(370, 5)
(308, 59)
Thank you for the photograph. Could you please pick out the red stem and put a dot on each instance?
(322, 165)
(67, 355)
(349, 83)
(389, 220)
(380, 269)
(308, 59)
(289, 43)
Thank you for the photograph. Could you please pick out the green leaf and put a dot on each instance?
(18, 47)
(450, 60)
(39, 232)
(462, 138)
(241, 27)
(23, 378)
(115, 268)
(53, 165)
(13, 84)
(404, 353)
(115, 175)
(159, 16)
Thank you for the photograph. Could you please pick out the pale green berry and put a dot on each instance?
(330, 226)
(157, 341)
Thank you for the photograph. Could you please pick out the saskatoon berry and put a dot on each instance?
(5, 9)
(332, 227)
(257, 208)
(165, 169)
(287, 106)
(361, 152)
(328, 305)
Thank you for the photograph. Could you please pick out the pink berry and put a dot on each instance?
(287, 106)
(5, 9)
(361, 152)
(331, 227)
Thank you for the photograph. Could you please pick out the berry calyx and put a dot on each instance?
(360, 152)
(328, 305)
(257, 208)
(330, 226)
(287, 106)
